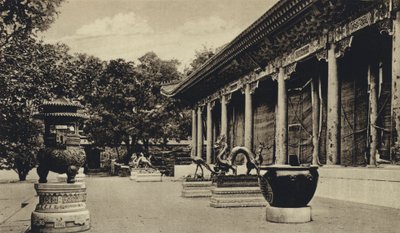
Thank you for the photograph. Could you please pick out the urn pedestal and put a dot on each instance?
(288, 190)
(237, 191)
(61, 208)
(196, 188)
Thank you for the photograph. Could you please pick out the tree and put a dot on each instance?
(129, 108)
(200, 57)
(29, 74)
(21, 19)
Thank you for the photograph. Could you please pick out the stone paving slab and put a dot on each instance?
(119, 205)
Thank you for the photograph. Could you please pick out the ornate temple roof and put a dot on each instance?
(288, 24)
(61, 101)
(60, 108)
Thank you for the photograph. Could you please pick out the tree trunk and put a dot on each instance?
(146, 145)
(22, 174)
(116, 149)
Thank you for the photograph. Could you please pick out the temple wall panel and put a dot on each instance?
(323, 119)
(300, 120)
(384, 115)
(354, 111)
(216, 119)
(264, 101)
(236, 120)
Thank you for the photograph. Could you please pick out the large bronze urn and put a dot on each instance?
(289, 186)
(61, 206)
(62, 152)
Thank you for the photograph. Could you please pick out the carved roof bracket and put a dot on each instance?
(228, 98)
(385, 27)
(322, 55)
(289, 70)
(342, 46)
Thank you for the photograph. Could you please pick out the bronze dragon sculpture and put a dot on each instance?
(223, 165)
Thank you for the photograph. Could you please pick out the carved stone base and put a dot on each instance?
(196, 189)
(61, 208)
(289, 215)
(145, 175)
(60, 222)
(134, 172)
(148, 177)
(226, 197)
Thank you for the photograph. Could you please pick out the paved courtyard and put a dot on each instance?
(120, 205)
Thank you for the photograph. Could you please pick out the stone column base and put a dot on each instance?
(288, 215)
(60, 222)
(61, 208)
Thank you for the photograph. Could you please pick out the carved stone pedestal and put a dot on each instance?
(134, 172)
(194, 189)
(145, 175)
(237, 197)
(61, 208)
(237, 191)
(289, 215)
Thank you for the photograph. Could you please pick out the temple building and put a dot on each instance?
(319, 79)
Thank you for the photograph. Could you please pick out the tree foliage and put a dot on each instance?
(20, 19)
(128, 107)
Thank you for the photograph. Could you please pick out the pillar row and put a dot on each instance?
(333, 106)
(194, 134)
(248, 119)
(396, 85)
(210, 139)
(281, 120)
(199, 132)
(224, 116)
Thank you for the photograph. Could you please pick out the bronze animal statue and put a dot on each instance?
(144, 162)
(253, 161)
(250, 157)
(200, 163)
(223, 164)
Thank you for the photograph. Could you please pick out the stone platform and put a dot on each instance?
(237, 191)
(237, 197)
(61, 208)
(145, 175)
(196, 189)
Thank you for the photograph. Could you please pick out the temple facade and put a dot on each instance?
(319, 79)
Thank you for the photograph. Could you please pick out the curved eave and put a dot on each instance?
(267, 23)
(61, 115)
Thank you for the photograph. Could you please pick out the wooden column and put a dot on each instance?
(199, 132)
(373, 72)
(224, 116)
(396, 85)
(282, 120)
(210, 140)
(194, 134)
(333, 106)
(248, 118)
(315, 118)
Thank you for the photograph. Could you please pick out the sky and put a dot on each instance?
(127, 29)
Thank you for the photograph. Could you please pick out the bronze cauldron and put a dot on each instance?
(288, 186)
